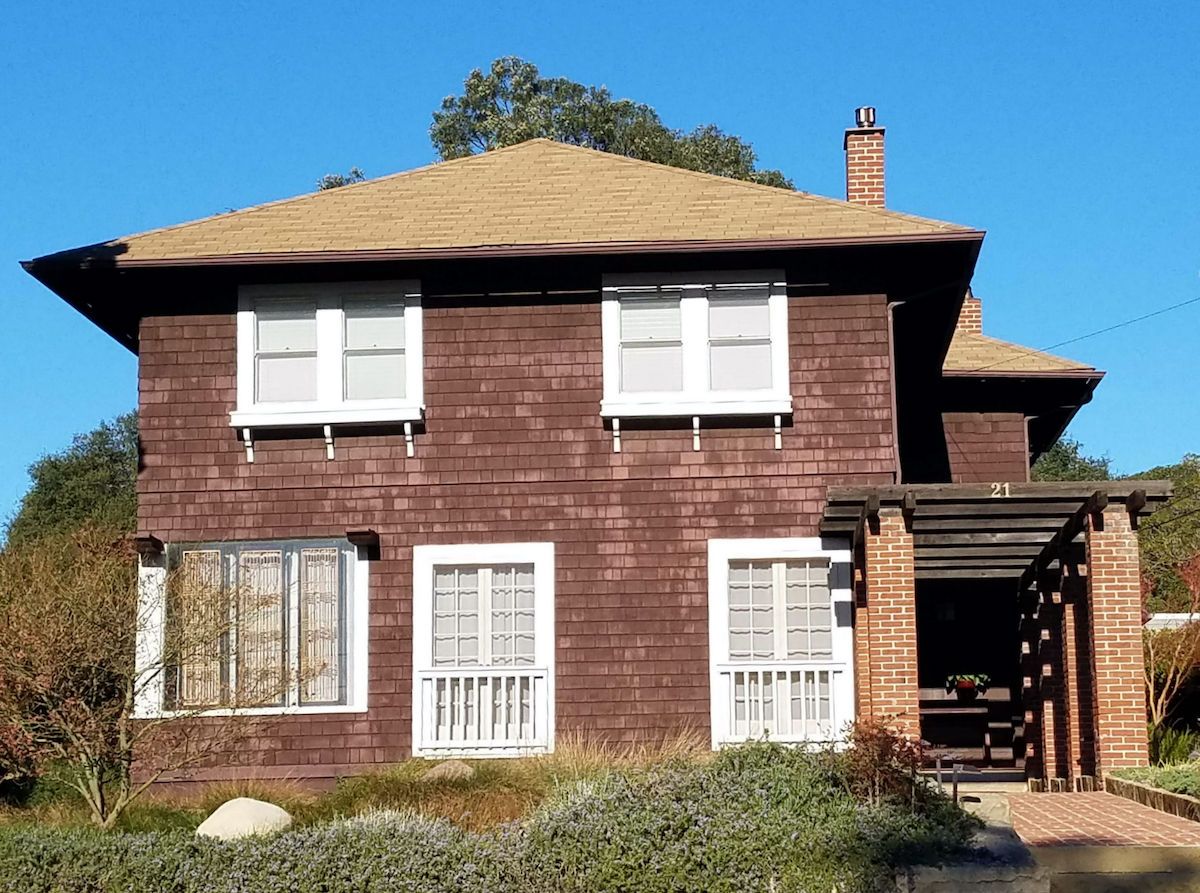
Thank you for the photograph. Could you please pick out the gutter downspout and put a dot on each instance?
(891, 331)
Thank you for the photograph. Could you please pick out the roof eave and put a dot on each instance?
(86, 255)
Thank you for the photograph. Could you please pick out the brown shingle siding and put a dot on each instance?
(986, 446)
(514, 449)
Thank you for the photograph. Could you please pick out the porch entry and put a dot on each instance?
(1045, 572)
(483, 649)
(780, 643)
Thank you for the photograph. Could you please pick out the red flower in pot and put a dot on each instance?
(967, 686)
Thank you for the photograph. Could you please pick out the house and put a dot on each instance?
(547, 440)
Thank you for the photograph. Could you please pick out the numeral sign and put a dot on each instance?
(1001, 489)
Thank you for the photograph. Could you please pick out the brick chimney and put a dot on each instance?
(864, 160)
(970, 317)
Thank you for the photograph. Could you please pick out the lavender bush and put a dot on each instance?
(756, 818)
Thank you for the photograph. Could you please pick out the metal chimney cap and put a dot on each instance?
(864, 116)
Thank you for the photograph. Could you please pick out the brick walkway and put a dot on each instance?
(1096, 819)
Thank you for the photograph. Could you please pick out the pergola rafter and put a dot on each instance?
(1004, 530)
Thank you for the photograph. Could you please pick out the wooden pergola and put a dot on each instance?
(988, 531)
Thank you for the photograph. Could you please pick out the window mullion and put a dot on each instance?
(485, 617)
(693, 313)
(779, 602)
(291, 591)
(330, 363)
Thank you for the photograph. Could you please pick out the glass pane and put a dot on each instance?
(764, 642)
(375, 376)
(650, 320)
(797, 644)
(285, 379)
(200, 621)
(260, 628)
(739, 645)
(740, 367)
(739, 573)
(374, 324)
(281, 327)
(738, 319)
(822, 642)
(468, 624)
(761, 573)
(651, 368)
(761, 594)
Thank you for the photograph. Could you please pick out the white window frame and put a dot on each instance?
(425, 560)
(152, 619)
(329, 407)
(835, 551)
(696, 398)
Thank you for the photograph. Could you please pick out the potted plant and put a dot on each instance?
(968, 686)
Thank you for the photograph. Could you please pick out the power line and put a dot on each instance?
(1030, 351)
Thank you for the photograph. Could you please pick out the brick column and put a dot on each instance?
(862, 638)
(1115, 602)
(1077, 671)
(1055, 692)
(1031, 692)
(892, 600)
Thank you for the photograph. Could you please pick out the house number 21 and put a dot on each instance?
(1001, 489)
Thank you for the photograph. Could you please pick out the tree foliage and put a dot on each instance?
(73, 687)
(94, 479)
(1066, 461)
(1170, 538)
(512, 102)
(333, 181)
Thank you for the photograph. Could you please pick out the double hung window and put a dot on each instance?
(329, 354)
(695, 345)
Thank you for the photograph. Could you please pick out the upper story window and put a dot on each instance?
(695, 344)
(328, 354)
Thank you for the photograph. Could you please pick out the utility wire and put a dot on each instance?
(1030, 351)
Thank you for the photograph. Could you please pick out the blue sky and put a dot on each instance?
(1068, 131)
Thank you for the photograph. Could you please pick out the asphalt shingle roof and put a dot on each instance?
(535, 193)
(973, 353)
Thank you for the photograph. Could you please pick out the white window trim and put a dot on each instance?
(836, 551)
(329, 408)
(696, 398)
(152, 600)
(425, 559)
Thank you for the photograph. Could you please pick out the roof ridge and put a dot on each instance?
(750, 184)
(315, 194)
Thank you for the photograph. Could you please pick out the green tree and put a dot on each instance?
(513, 102)
(1066, 461)
(1170, 538)
(94, 479)
(333, 181)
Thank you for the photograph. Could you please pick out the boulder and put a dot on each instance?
(242, 817)
(451, 770)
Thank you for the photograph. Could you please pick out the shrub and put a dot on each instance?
(1183, 778)
(761, 818)
(1169, 745)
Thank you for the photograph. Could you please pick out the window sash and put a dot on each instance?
(768, 621)
(284, 641)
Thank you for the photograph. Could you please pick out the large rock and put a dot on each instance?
(451, 770)
(242, 817)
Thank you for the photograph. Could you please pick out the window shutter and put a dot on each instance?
(260, 628)
(202, 617)
(320, 626)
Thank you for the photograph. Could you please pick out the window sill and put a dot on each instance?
(309, 418)
(632, 409)
(315, 710)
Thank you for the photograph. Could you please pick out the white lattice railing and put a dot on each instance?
(783, 701)
(479, 711)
